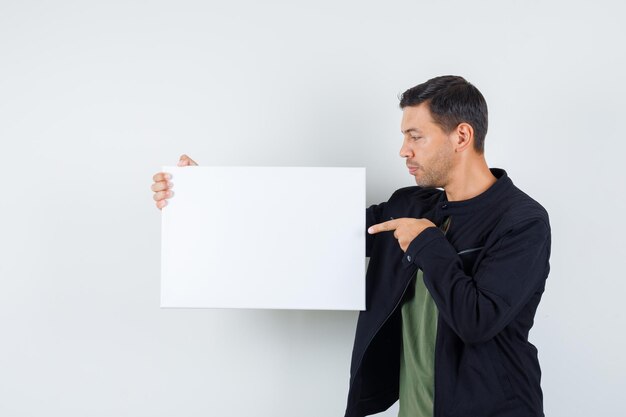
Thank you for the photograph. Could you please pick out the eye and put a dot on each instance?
(416, 137)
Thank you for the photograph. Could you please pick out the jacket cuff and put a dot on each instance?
(420, 242)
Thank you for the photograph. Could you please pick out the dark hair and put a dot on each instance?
(451, 101)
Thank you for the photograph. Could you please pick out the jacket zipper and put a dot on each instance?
(358, 366)
(444, 228)
(463, 252)
(446, 225)
(381, 325)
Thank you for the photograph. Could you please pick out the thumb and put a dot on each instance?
(186, 161)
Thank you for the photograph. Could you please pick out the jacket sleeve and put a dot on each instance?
(479, 307)
(373, 215)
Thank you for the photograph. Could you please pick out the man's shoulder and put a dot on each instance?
(522, 208)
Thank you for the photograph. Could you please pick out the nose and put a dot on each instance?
(405, 151)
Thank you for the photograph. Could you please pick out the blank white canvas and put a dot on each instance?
(264, 237)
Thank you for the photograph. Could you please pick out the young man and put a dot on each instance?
(455, 276)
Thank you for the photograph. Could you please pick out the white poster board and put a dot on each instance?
(264, 237)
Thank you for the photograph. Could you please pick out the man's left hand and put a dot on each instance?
(404, 229)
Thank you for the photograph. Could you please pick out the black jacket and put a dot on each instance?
(486, 277)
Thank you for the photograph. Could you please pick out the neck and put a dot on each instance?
(467, 180)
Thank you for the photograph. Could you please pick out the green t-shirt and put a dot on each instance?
(417, 356)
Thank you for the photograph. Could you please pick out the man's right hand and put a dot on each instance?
(162, 186)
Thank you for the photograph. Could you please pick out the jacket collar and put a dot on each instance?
(487, 197)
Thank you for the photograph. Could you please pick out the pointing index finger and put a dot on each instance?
(383, 227)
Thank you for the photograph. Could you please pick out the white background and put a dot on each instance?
(96, 96)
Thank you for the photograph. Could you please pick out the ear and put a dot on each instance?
(464, 137)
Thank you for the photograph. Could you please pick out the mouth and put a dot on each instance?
(412, 169)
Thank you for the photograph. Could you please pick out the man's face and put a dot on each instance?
(427, 148)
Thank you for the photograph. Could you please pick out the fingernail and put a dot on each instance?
(369, 230)
(168, 176)
(170, 184)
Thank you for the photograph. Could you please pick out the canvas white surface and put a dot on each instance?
(264, 237)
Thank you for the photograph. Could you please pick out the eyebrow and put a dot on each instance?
(413, 129)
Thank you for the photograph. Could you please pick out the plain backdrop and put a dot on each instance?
(96, 96)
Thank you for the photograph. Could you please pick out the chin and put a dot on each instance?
(424, 183)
